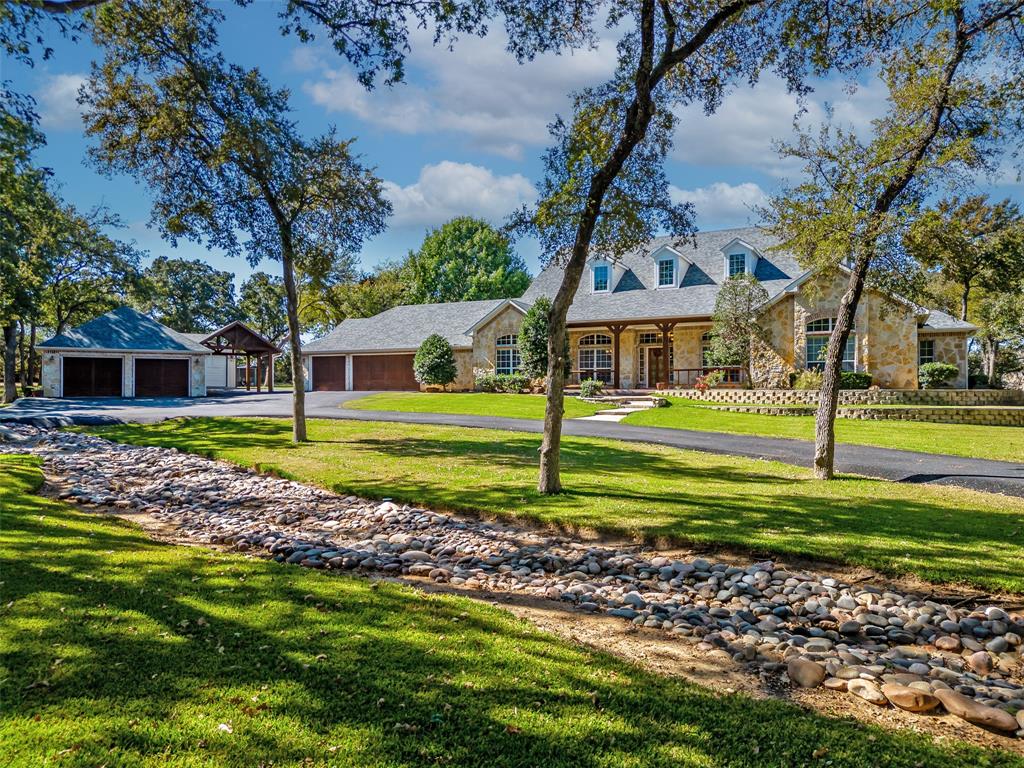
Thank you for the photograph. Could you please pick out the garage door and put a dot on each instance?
(329, 373)
(216, 372)
(161, 378)
(383, 372)
(92, 377)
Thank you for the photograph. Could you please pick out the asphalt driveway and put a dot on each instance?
(901, 466)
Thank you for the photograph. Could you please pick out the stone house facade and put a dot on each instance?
(653, 305)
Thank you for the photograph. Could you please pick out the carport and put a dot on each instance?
(236, 339)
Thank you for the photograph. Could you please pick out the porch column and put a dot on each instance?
(616, 329)
(270, 378)
(666, 356)
(258, 382)
(248, 373)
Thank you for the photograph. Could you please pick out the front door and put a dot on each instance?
(653, 367)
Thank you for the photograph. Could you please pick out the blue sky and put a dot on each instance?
(463, 135)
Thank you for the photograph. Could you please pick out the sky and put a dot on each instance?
(462, 136)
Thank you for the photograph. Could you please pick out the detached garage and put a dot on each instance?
(123, 353)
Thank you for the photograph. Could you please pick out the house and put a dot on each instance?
(632, 314)
(125, 353)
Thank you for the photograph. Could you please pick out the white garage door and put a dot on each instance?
(216, 372)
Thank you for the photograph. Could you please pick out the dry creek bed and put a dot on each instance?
(812, 631)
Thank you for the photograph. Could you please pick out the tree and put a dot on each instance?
(219, 149)
(464, 260)
(187, 295)
(434, 362)
(971, 243)
(533, 340)
(735, 325)
(954, 81)
(261, 305)
(999, 315)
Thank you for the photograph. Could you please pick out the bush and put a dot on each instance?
(591, 388)
(854, 380)
(931, 375)
(977, 381)
(709, 380)
(809, 379)
(434, 362)
(488, 381)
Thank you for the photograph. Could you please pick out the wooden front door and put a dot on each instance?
(389, 372)
(328, 373)
(156, 377)
(653, 367)
(92, 377)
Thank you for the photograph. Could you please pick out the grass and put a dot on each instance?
(973, 440)
(471, 403)
(942, 534)
(121, 651)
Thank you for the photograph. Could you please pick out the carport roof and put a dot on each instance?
(124, 329)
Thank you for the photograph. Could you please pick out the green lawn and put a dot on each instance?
(471, 403)
(120, 651)
(653, 492)
(983, 442)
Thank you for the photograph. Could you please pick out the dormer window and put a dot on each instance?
(666, 273)
(601, 278)
(737, 264)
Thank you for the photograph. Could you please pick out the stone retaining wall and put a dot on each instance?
(996, 416)
(945, 397)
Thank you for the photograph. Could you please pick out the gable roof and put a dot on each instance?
(124, 329)
(630, 298)
(941, 321)
(404, 328)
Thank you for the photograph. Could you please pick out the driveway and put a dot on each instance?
(901, 466)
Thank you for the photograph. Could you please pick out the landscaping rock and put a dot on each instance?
(910, 699)
(968, 709)
(868, 691)
(805, 673)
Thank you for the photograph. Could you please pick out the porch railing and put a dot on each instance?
(686, 378)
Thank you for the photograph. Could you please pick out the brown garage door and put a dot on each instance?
(161, 378)
(92, 377)
(383, 372)
(329, 373)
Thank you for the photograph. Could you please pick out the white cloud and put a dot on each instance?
(722, 205)
(476, 90)
(449, 189)
(741, 132)
(58, 105)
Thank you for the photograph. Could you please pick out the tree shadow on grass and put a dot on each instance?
(334, 669)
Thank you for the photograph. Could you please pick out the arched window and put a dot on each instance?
(816, 346)
(506, 354)
(596, 357)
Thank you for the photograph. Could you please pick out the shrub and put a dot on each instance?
(434, 362)
(854, 380)
(485, 381)
(931, 375)
(512, 382)
(809, 379)
(709, 380)
(591, 388)
(977, 381)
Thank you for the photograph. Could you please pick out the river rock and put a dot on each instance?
(910, 699)
(805, 673)
(968, 709)
(868, 691)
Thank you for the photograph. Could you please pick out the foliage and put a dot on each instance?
(261, 305)
(434, 362)
(187, 295)
(736, 326)
(809, 379)
(854, 380)
(1000, 319)
(533, 340)
(221, 152)
(512, 383)
(971, 243)
(932, 375)
(591, 388)
(465, 259)
(709, 380)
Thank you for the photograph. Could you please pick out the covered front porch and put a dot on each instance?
(645, 355)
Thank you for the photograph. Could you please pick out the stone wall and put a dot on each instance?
(950, 348)
(995, 416)
(464, 371)
(505, 322)
(49, 375)
(944, 397)
(774, 359)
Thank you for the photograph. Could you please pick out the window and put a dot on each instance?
(600, 278)
(705, 350)
(651, 337)
(666, 272)
(596, 357)
(506, 355)
(818, 334)
(737, 264)
(925, 351)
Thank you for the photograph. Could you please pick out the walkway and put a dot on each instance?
(901, 466)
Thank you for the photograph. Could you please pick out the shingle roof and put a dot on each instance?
(124, 328)
(635, 297)
(940, 321)
(406, 327)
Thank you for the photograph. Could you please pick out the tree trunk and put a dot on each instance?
(991, 356)
(295, 346)
(963, 302)
(30, 377)
(828, 398)
(10, 353)
(21, 355)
